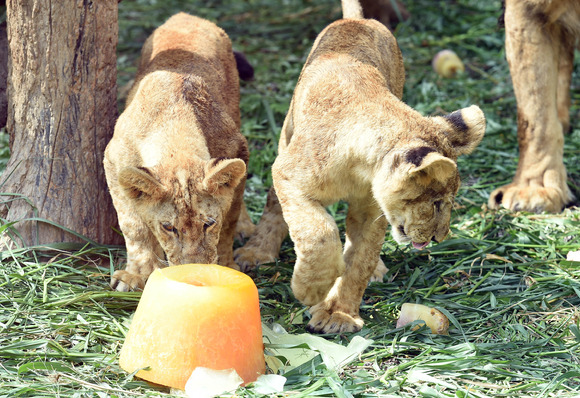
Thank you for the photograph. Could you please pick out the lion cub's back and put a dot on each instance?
(187, 33)
(190, 45)
(368, 42)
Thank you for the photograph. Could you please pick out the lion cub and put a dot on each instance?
(176, 165)
(348, 136)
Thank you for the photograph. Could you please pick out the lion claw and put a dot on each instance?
(328, 321)
(124, 281)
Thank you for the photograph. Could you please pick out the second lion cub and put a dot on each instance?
(348, 136)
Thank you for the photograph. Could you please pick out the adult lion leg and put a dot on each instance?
(339, 312)
(533, 52)
(264, 245)
(566, 66)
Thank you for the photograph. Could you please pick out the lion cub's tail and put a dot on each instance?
(352, 9)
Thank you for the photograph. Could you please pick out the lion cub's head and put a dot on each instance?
(416, 190)
(185, 208)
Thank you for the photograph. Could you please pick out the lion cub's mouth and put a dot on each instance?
(405, 237)
(420, 246)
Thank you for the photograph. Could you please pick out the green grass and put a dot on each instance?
(501, 277)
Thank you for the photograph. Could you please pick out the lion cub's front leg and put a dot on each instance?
(230, 228)
(317, 245)
(339, 311)
(144, 254)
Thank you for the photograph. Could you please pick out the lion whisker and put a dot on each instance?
(162, 261)
(379, 217)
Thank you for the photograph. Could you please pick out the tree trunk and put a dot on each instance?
(61, 114)
(3, 74)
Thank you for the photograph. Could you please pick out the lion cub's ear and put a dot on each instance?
(223, 173)
(433, 167)
(467, 129)
(137, 182)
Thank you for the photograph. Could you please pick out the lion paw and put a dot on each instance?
(227, 260)
(379, 272)
(124, 281)
(244, 229)
(249, 257)
(308, 292)
(530, 197)
(326, 321)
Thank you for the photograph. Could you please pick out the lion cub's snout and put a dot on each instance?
(420, 230)
(191, 240)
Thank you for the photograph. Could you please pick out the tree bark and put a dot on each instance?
(3, 74)
(61, 114)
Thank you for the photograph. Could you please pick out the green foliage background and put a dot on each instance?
(501, 277)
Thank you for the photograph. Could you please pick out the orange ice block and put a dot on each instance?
(195, 315)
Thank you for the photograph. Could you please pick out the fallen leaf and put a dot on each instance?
(209, 383)
(573, 256)
(300, 348)
(269, 384)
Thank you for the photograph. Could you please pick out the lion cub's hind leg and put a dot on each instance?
(264, 245)
(365, 233)
(244, 227)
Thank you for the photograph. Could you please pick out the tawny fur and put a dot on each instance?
(540, 39)
(348, 136)
(176, 165)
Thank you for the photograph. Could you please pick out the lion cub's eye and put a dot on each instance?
(169, 227)
(208, 223)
